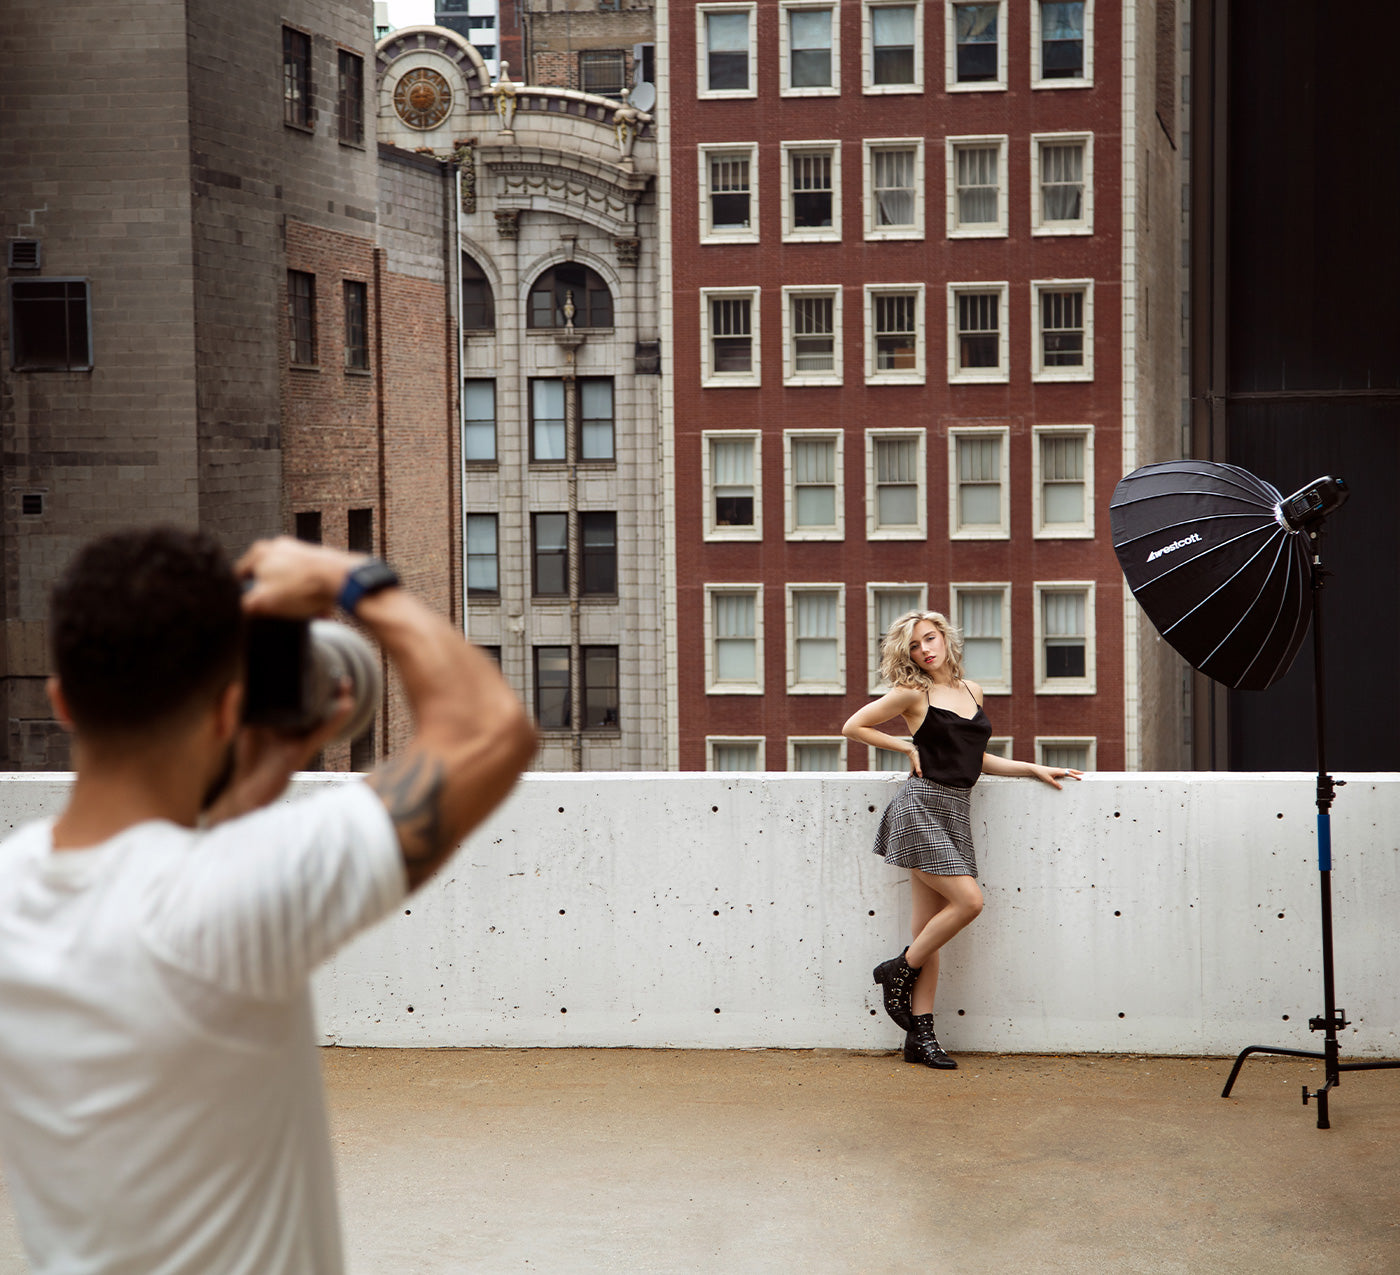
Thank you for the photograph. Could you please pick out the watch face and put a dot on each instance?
(422, 98)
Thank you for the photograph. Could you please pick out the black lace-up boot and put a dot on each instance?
(897, 977)
(921, 1045)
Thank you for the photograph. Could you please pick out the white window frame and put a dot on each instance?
(791, 530)
(872, 530)
(1001, 685)
(980, 376)
(721, 741)
(982, 230)
(709, 378)
(712, 685)
(979, 531)
(1038, 371)
(785, 88)
(950, 51)
(1087, 684)
(1061, 530)
(1006, 743)
(1088, 742)
(702, 60)
(1085, 224)
(795, 741)
(791, 376)
(873, 144)
(867, 48)
(811, 234)
(915, 375)
(874, 685)
(708, 234)
(838, 686)
(874, 757)
(712, 530)
(1085, 81)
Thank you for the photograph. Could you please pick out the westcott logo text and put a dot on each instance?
(1193, 538)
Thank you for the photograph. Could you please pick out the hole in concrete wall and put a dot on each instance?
(1117, 814)
(1117, 914)
(1279, 815)
(872, 1013)
(410, 1009)
(716, 911)
(872, 911)
(714, 810)
(871, 809)
(1280, 916)
(716, 1009)
(1122, 1015)
(561, 911)
(1285, 1018)
(562, 1010)
(561, 810)
(408, 911)
(961, 1012)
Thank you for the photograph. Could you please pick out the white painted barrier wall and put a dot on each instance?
(1157, 913)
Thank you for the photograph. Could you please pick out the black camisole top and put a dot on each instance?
(950, 746)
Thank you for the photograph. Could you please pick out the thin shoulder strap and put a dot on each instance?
(968, 689)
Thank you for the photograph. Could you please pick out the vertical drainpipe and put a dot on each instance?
(575, 551)
(452, 345)
(382, 529)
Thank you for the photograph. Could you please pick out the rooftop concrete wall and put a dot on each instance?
(1154, 913)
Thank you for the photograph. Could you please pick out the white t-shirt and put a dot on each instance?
(160, 1093)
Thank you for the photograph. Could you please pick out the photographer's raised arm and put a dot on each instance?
(472, 737)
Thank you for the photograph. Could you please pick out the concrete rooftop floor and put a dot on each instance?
(587, 1160)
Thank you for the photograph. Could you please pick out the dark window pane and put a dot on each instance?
(1062, 40)
(479, 420)
(598, 532)
(729, 211)
(308, 526)
(483, 571)
(734, 511)
(976, 62)
(478, 301)
(733, 354)
(602, 71)
(977, 351)
(552, 708)
(360, 537)
(811, 68)
(811, 209)
(893, 66)
(50, 331)
(1064, 660)
(595, 418)
(729, 70)
(599, 687)
(296, 77)
(551, 544)
(557, 287)
(356, 325)
(350, 103)
(362, 751)
(301, 316)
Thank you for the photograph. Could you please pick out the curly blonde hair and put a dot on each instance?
(896, 666)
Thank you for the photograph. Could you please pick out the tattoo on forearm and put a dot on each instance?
(411, 789)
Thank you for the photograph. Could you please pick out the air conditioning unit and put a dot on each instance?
(609, 6)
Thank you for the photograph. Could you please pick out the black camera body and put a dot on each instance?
(295, 668)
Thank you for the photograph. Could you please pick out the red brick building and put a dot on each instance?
(906, 368)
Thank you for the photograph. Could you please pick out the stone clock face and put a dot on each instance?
(422, 98)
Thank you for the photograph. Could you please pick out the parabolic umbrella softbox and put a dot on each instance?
(1214, 556)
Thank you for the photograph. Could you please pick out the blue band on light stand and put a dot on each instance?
(1324, 841)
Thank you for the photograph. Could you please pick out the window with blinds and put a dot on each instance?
(897, 483)
(976, 38)
(1061, 328)
(811, 189)
(734, 638)
(726, 51)
(549, 534)
(729, 196)
(812, 472)
(977, 187)
(1063, 634)
(894, 192)
(553, 700)
(735, 754)
(980, 616)
(732, 487)
(1061, 48)
(479, 421)
(1069, 753)
(895, 323)
(809, 35)
(813, 334)
(886, 606)
(815, 754)
(893, 34)
(1062, 201)
(980, 504)
(815, 637)
(1062, 480)
(979, 331)
(547, 420)
(595, 441)
(731, 334)
(483, 564)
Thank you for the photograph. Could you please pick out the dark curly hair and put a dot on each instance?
(145, 626)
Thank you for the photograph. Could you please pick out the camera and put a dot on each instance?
(294, 669)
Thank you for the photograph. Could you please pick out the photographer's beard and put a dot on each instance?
(222, 777)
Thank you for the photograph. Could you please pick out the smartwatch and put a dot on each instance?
(369, 577)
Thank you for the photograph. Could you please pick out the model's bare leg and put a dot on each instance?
(944, 905)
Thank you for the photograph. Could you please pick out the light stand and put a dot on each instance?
(1332, 1019)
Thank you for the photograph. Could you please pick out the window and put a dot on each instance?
(976, 46)
(356, 326)
(889, 761)
(810, 50)
(595, 440)
(812, 479)
(296, 78)
(1062, 201)
(1062, 44)
(50, 325)
(977, 202)
(979, 478)
(894, 206)
(812, 336)
(483, 565)
(894, 498)
(350, 97)
(362, 752)
(479, 422)
(547, 440)
(726, 54)
(819, 753)
(983, 613)
(894, 337)
(1063, 319)
(999, 746)
(552, 707)
(359, 528)
(478, 301)
(550, 535)
(307, 526)
(602, 71)
(724, 752)
(570, 284)
(731, 463)
(734, 639)
(1062, 490)
(301, 317)
(600, 681)
(1073, 754)
(811, 191)
(1064, 638)
(598, 540)
(728, 194)
(892, 54)
(816, 639)
(884, 604)
(978, 342)
(729, 330)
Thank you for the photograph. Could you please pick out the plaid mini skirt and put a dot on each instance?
(927, 827)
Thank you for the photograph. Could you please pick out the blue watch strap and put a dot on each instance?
(369, 577)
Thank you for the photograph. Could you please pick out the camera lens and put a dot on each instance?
(339, 652)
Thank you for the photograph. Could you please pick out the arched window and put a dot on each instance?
(478, 302)
(592, 300)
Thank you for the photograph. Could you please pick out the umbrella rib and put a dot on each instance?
(1278, 667)
(1224, 544)
(1212, 594)
(1244, 615)
(1147, 535)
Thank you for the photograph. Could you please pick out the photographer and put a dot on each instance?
(160, 1093)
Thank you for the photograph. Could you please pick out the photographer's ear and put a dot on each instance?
(229, 709)
(54, 690)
